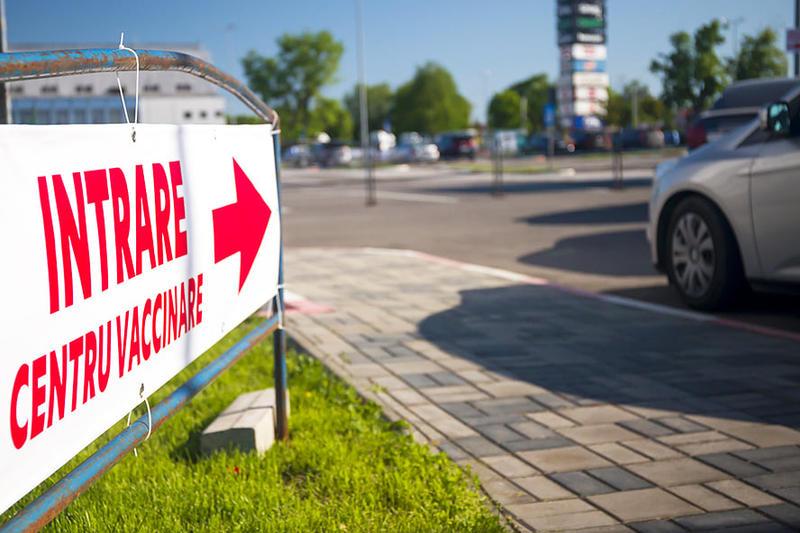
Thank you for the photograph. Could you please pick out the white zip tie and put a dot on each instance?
(149, 418)
(121, 92)
(279, 304)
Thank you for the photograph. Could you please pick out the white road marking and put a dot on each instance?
(413, 197)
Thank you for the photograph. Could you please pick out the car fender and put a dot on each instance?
(726, 185)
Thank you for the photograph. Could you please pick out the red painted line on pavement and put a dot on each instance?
(617, 300)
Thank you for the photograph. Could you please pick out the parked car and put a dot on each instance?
(457, 144)
(506, 142)
(635, 138)
(421, 152)
(727, 214)
(739, 104)
(332, 154)
(672, 138)
(414, 148)
(382, 145)
(590, 140)
(298, 156)
(539, 144)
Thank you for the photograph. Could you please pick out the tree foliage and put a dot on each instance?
(650, 110)
(293, 79)
(379, 106)
(692, 74)
(330, 117)
(504, 110)
(430, 103)
(759, 57)
(537, 90)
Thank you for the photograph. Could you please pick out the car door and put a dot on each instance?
(775, 202)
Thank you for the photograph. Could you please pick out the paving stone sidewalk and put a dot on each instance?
(575, 413)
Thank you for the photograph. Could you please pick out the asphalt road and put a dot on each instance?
(570, 226)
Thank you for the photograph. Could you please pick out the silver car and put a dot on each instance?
(728, 214)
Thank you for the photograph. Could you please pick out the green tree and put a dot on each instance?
(291, 80)
(650, 110)
(430, 103)
(379, 106)
(537, 90)
(330, 117)
(759, 57)
(243, 119)
(617, 109)
(692, 74)
(504, 110)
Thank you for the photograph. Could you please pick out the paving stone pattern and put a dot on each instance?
(575, 413)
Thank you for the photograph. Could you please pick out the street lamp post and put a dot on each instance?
(363, 108)
(796, 26)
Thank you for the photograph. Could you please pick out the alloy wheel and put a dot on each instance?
(693, 255)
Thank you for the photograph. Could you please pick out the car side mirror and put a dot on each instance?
(775, 118)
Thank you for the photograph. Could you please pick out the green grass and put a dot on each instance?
(345, 468)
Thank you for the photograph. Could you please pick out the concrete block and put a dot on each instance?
(247, 424)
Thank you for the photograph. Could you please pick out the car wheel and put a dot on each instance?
(703, 261)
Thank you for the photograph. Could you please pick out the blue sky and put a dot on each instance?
(486, 45)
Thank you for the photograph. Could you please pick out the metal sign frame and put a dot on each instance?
(19, 66)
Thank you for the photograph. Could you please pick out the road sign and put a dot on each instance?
(549, 115)
(592, 52)
(123, 262)
(583, 66)
(793, 40)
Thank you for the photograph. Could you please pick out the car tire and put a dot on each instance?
(702, 256)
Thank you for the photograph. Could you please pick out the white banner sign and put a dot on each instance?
(584, 79)
(584, 52)
(122, 262)
(585, 107)
(592, 94)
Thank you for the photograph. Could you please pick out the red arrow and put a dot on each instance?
(240, 226)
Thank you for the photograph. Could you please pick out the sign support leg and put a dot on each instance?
(279, 336)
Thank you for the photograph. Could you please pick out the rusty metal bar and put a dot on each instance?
(16, 66)
(47, 506)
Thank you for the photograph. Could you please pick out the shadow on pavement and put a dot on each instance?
(780, 311)
(607, 214)
(616, 253)
(513, 187)
(599, 351)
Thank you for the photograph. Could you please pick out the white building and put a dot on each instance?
(164, 97)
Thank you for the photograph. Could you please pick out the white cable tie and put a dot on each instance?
(149, 418)
(121, 92)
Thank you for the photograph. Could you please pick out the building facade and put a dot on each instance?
(164, 97)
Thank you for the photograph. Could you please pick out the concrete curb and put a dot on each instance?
(302, 344)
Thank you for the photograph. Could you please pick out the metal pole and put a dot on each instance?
(796, 26)
(363, 108)
(497, 183)
(279, 337)
(15, 66)
(5, 97)
(523, 113)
